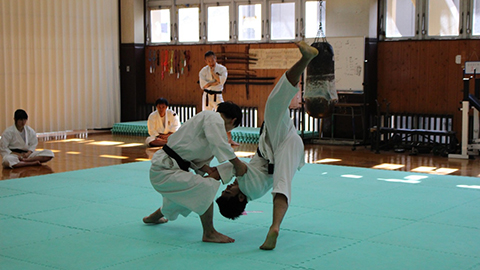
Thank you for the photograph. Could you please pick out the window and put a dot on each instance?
(218, 20)
(400, 18)
(476, 18)
(283, 21)
(160, 25)
(443, 17)
(314, 19)
(188, 24)
(429, 19)
(250, 22)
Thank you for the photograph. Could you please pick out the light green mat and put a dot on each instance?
(339, 218)
(239, 134)
(137, 128)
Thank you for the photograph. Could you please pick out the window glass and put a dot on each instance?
(282, 21)
(188, 24)
(218, 21)
(314, 15)
(160, 25)
(476, 18)
(250, 22)
(400, 18)
(443, 17)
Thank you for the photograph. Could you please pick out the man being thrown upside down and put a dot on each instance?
(280, 153)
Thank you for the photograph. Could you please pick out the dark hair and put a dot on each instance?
(232, 207)
(20, 115)
(161, 101)
(209, 53)
(231, 111)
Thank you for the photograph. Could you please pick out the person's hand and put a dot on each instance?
(240, 169)
(214, 174)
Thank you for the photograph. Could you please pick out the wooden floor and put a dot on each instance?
(89, 150)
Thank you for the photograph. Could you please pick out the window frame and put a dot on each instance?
(466, 18)
(296, 20)
(204, 20)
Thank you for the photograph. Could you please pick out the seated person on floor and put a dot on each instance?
(280, 154)
(18, 143)
(162, 123)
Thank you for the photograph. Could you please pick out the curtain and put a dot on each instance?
(59, 61)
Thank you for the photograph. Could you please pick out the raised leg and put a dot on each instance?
(308, 53)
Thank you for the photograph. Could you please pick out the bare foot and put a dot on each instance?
(156, 217)
(217, 237)
(307, 50)
(271, 240)
(150, 220)
(27, 163)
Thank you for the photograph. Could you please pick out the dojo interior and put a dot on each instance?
(391, 175)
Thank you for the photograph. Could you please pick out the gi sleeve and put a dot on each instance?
(32, 140)
(151, 127)
(202, 78)
(226, 171)
(4, 142)
(216, 136)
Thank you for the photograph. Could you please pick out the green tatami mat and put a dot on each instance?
(339, 218)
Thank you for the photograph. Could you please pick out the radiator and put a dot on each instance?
(250, 117)
(433, 122)
(311, 123)
(184, 112)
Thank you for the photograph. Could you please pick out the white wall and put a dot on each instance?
(132, 19)
(347, 18)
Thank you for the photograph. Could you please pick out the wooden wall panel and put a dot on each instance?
(422, 76)
(185, 90)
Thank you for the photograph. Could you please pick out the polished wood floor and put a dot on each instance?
(83, 150)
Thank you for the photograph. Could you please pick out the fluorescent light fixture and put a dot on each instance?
(327, 160)
(113, 156)
(73, 153)
(388, 166)
(142, 159)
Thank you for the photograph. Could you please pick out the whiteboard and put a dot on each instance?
(472, 67)
(349, 54)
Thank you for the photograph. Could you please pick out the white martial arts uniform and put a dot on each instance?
(12, 139)
(205, 77)
(158, 125)
(198, 140)
(279, 144)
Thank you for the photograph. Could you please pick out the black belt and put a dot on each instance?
(183, 164)
(271, 166)
(211, 92)
(20, 151)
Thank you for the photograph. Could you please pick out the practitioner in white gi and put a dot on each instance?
(162, 123)
(18, 144)
(193, 146)
(212, 77)
(280, 154)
